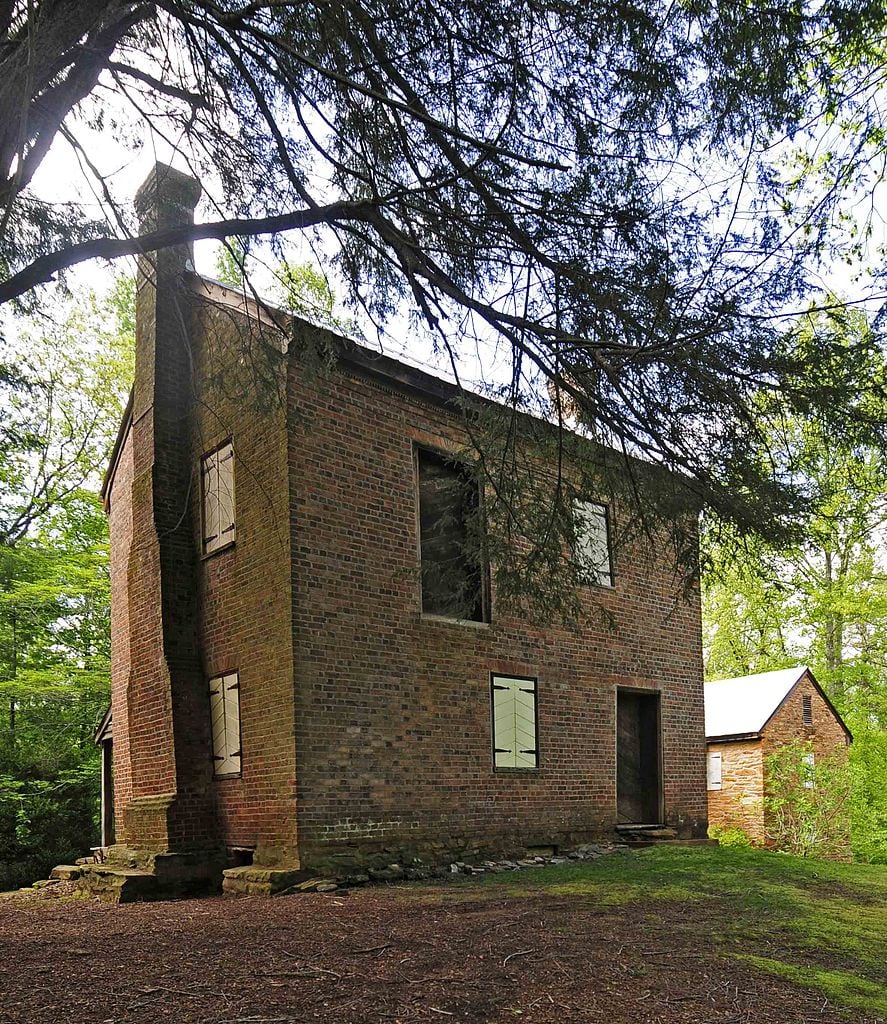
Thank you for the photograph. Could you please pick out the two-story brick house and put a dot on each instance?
(294, 686)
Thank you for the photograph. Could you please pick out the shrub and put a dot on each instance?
(807, 803)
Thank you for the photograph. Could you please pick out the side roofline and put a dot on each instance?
(105, 729)
(733, 737)
(122, 431)
(392, 371)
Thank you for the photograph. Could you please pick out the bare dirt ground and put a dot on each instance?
(393, 954)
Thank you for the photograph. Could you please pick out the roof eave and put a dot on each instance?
(733, 737)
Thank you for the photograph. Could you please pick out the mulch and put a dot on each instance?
(388, 954)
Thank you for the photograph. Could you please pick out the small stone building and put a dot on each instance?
(293, 689)
(749, 717)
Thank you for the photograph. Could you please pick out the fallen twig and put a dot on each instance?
(520, 952)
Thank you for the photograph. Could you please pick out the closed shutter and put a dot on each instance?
(232, 722)
(210, 502)
(225, 458)
(714, 771)
(514, 723)
(217, 471)
(224, 699)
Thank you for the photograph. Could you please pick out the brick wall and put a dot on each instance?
(393, 708)
(120, 528)
(739, 803)
(245, 618)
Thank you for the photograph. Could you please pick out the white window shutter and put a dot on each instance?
(232, 722)
(224, 699)
(218, 498)
(714, 770)
(225, 465)
(211, 502)
(217, 716)
(514, 723)
(504, 738)
(592, 552)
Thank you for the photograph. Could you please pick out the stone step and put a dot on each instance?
(645, 833)
(252, 880)
(119, 885)
(66, 872)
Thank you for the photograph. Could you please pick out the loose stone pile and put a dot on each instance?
(417, 871)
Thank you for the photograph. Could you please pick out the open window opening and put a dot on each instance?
(453, 571)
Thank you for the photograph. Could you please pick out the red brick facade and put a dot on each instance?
(365, 725)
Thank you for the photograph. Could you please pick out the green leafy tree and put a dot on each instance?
(64, 400)
(821, 601)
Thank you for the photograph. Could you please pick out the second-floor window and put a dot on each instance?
(452, 567)
(217, 482)
(592, 553)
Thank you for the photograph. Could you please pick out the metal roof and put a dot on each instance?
(745, 704)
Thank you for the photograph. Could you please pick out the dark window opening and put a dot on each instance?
(450, 536)
(807, 705)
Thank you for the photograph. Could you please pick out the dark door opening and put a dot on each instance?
(638, 785)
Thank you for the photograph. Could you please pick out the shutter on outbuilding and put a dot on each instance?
(714, 770)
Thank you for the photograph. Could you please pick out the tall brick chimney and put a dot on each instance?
(171, 810)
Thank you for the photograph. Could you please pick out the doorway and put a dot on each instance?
(638, 776)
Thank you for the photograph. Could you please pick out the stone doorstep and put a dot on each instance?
(252, 880)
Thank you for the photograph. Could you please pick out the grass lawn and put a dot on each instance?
(819, 924)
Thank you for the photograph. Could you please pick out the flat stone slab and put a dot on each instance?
(115, 885)
(66, 872)
(250, 880)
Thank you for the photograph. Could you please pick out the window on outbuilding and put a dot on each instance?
(217, 485)
(452, 566)
(807, 709)
(224, 703)
(514, 722)
(714, 770)
(592, 553)
(809, 769)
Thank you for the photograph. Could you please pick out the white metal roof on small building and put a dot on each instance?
(736, 707)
